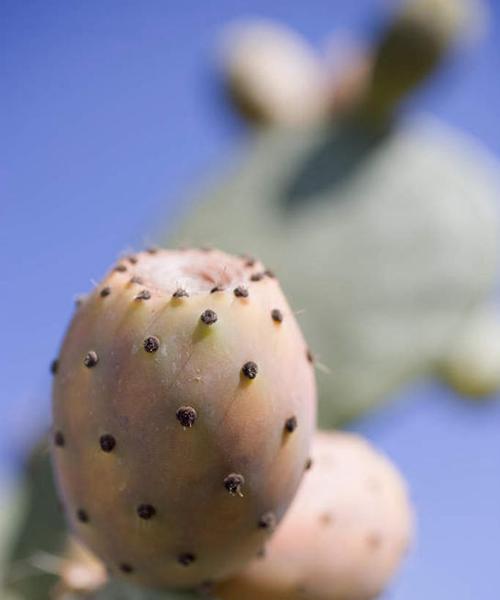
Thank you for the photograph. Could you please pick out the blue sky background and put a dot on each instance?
(110, 112)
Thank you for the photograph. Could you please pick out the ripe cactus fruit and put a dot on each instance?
(172, 409)
(344, 535)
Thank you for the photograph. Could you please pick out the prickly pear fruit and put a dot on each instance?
(183, 410)
(273, 76)
(344, 535)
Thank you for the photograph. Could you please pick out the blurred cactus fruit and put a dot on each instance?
(173, 397)
(272, 74)
(472, 366)
(344, 536)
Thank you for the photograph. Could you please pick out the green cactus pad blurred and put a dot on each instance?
(385, 241)
(34, 526)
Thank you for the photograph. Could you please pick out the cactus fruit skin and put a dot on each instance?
(170, 405)
(344, 536)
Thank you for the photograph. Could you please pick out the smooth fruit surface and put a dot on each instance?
(173, 396)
